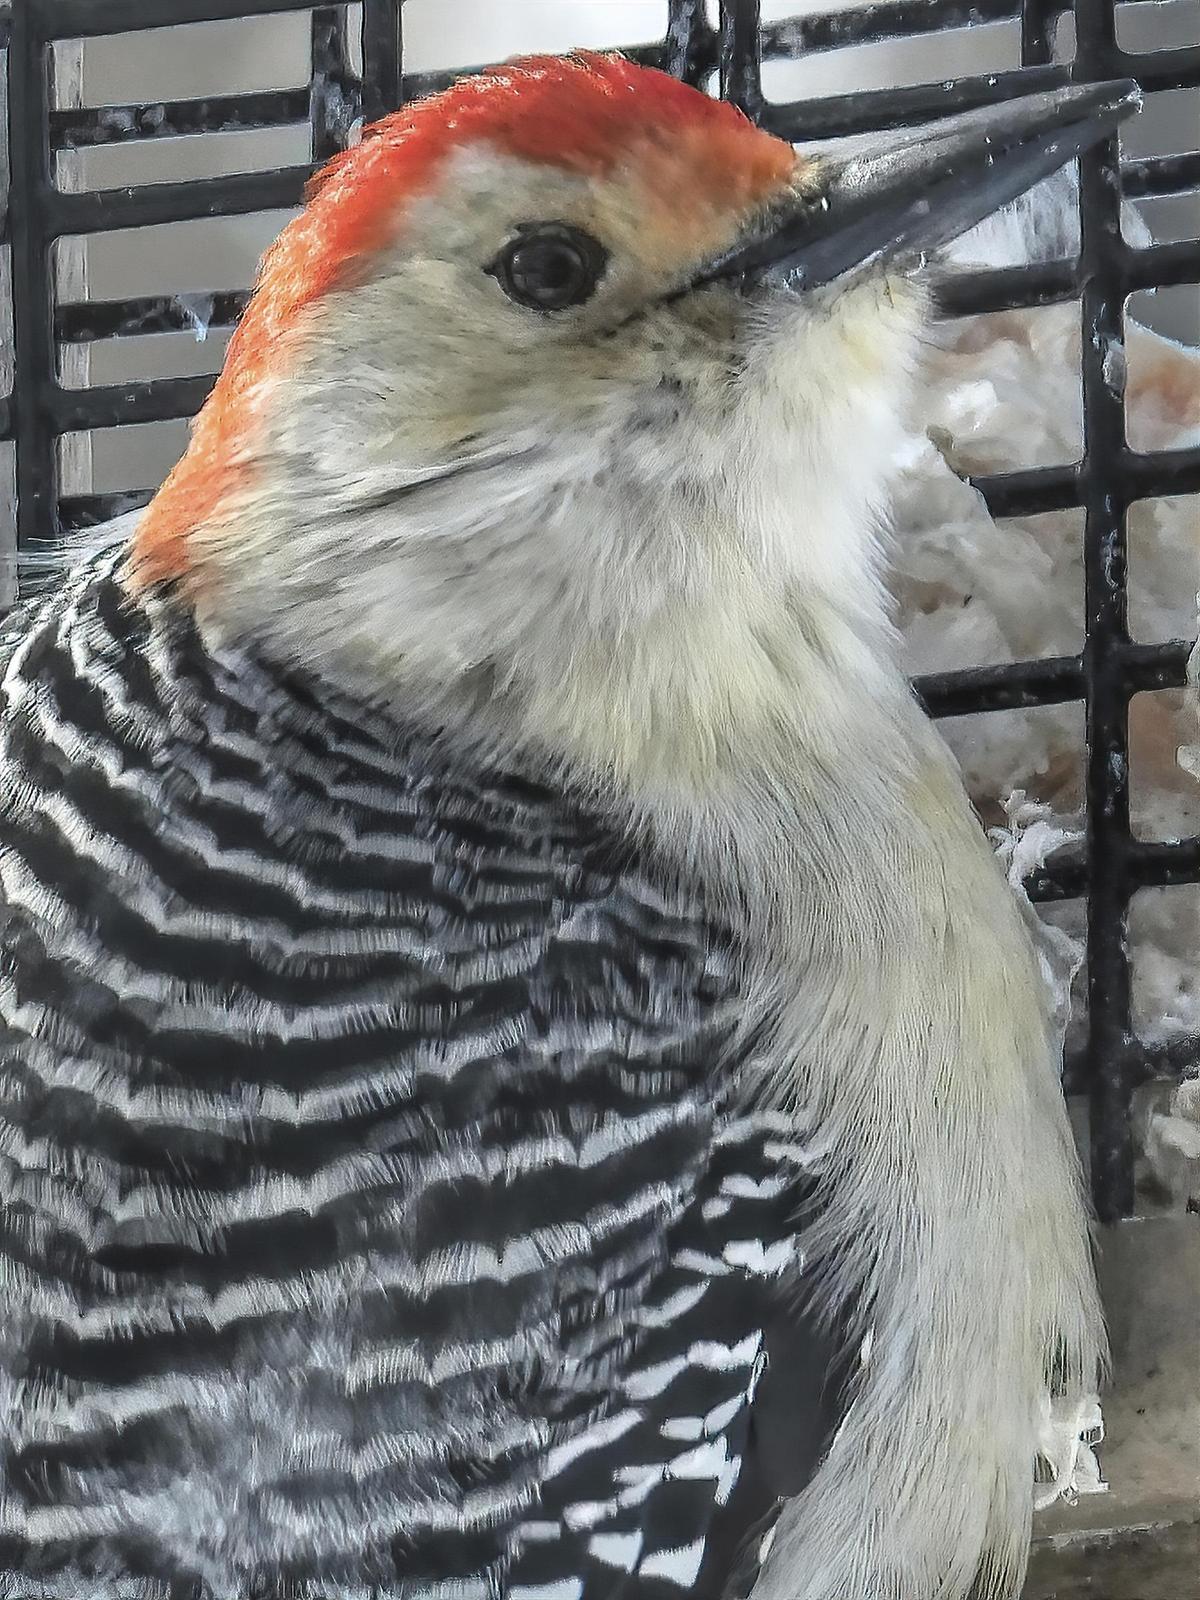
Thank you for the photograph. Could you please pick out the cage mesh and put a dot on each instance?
(356, 71)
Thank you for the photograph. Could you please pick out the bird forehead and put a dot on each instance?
(659, 211)
(587, 112)
(683, 192)
(673, 161)
(635, 135)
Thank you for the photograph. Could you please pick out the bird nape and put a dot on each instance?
(519, 1074)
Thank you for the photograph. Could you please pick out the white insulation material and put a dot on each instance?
(1002, 392)
(1065, 1446)
(1031, 835)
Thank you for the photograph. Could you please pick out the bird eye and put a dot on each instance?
(550, 266)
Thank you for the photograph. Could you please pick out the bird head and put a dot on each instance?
(573, 370)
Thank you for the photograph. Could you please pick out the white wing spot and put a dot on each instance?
(653, 1380)
(705, 1461)
(564, 1589)
(719, 1418)
(764, 1262)
(603, 1433)
(729, 1476)
(678, 1566)
(717, 1357)
(616, 1549)
(687, 1427)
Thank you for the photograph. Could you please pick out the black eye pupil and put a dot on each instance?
(550, 266)
(547, 270)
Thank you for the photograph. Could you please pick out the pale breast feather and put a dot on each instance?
(377, 1211)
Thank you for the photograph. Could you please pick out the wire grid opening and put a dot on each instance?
(724, 51)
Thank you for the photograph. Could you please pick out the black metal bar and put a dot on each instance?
(1069, 873)
(1028, 493)
(1039, 20)
(1049, 681)
(382, 87)
(1106, 697)
(116, 404)
(1062, 877)
(1178, 1058)
(1164, 472)
(32, 292)
(1050, 282)
(415, 85)
(1163, 864)
(893, 19)
(1159, 266)
(1157, 666)
(103, 210)
(1136, 477)
(78, 511)
(690, 47)
(334, 100)
(740, 66)
(1042, 283)
(880, 109)
(109, 319)
(1156, 70)
(81, 128)
(1161, 175)
(85, 19)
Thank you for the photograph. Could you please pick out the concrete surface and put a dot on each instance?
(1158, 1562)
(1141, 1540)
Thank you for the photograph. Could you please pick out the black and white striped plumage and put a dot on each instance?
(377, 1212)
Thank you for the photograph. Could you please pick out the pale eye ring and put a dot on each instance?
(549, 266)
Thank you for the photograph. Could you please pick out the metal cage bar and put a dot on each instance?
(725, 52)
(1106, 694)
(333, 101)
(30, 420)
(383, 52)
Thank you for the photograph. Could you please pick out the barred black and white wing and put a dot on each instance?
(378, 1214)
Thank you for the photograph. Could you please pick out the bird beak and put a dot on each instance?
(895, 204)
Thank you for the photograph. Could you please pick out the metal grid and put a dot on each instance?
(1112, 865)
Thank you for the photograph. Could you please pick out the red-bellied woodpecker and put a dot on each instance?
(520, 1074)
